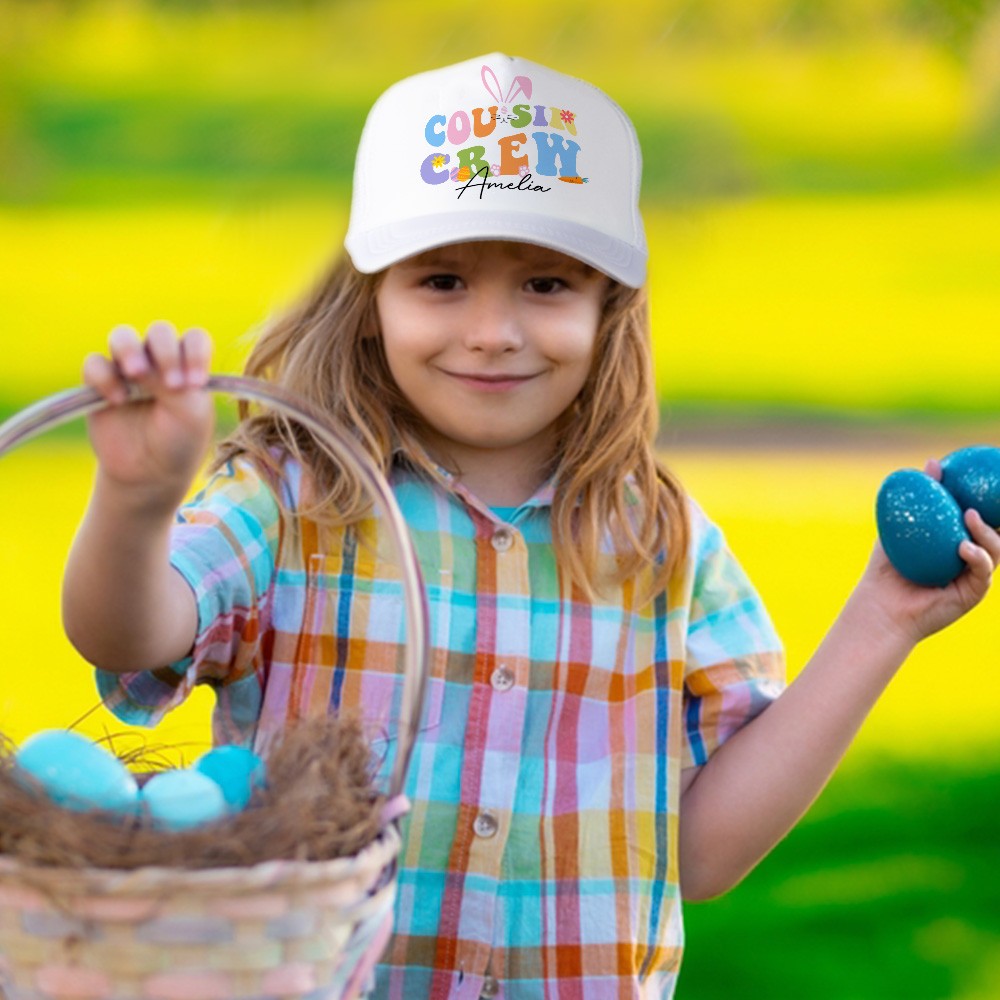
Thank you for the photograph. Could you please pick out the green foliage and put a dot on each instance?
(887, 889)
(954, 21)
(137, 100)
(174, 145)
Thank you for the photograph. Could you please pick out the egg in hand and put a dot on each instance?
(972, 476)
(921, 526)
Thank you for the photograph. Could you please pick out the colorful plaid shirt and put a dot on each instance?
(540, 855)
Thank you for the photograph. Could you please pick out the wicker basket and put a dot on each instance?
(281, 929)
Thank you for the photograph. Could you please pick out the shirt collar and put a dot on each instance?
(418, 460)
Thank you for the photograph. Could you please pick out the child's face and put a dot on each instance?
(491, 342)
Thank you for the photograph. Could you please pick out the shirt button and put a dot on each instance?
(502, 678)
(490, 988)
(502, 539)
(486, 825)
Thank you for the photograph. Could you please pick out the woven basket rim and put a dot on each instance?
(251, 878)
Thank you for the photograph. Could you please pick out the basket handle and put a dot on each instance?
(64, 406)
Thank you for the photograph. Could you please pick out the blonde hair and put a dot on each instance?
(327, 349)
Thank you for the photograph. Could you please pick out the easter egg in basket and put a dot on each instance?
(77, 773)
(182, 800)
(236, 770)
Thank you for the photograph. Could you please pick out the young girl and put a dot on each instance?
(603, 733)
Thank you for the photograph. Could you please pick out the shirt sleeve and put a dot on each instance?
(735, 664)
(224, 544)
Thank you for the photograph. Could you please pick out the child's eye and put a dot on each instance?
(546, 286)
(443, 282)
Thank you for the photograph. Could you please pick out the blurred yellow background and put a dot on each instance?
(822, 199)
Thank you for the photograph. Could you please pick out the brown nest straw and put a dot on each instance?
(320, 803)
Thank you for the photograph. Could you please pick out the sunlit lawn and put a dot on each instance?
(891, 303)
(68, 276)
(846, 302)
(45, 487)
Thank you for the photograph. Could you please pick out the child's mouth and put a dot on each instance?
(491, 382)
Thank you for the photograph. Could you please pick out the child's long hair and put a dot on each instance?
(328, 351)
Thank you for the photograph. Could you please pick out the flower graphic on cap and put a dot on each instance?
(438, 162)
(568, 117)
(495, 169)
(523, 169)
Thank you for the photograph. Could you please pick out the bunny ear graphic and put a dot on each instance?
(492, 84)
(522, 85)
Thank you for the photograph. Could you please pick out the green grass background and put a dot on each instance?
(822, 198)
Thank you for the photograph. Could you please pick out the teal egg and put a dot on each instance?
(920, 526)
(77, 773)
(236, 770)
(183, 800)
(972, 476)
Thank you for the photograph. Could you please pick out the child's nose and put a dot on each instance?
(493, 326)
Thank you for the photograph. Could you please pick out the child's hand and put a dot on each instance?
(152, 449)
(916, 611)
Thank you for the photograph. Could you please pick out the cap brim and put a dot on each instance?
(379, 248)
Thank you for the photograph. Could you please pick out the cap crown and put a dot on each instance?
(498, 147)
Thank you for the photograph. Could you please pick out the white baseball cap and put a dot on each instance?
(498, 148)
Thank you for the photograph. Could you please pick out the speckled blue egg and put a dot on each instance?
(920, 526)
(77, 773)
(183, 800)
(972, 476)
(236, 770)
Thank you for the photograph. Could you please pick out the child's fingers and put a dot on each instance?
(101, 373)
(164, 352)
(983, 535)
(980, 565)
(982, 554)
(128, 353)
(196, 356)
(160, 360)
